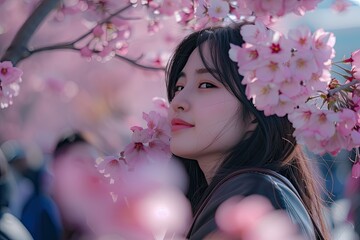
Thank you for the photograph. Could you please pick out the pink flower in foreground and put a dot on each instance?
(254, 217)
(149, 202)
(112, 167)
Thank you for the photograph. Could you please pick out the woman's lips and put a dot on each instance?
(178, 124)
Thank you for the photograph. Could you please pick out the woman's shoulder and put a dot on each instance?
(276, 188)
(256, 182)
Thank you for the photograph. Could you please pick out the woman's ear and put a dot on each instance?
(251, 125)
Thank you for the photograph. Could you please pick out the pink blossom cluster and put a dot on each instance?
(150, 144)
(10, 77)
(290, 76)
(95, 10)
(107, 40)
(202, 13)
(145, 185)
(109, 34)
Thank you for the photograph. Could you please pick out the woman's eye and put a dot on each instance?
(207, 85)
(178, 88)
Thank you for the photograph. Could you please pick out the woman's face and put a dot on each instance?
(204, 114)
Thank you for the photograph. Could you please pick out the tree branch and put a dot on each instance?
(135, 63)
(342, 87)
(70, 46)
(101, 22)
(18, 48)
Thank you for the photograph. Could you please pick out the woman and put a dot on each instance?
(228, 147)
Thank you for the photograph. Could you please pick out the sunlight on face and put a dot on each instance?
(204, 114)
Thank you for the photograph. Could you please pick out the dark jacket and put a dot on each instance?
(276, 188)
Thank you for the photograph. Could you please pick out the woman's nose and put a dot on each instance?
(180, 103)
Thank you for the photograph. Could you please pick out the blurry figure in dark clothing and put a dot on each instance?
(10, 227)
(21, 187)
(72, 152)
(40, 214)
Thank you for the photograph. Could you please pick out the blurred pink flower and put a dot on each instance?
(112, 167)
(218, 9)
(98, 31)
(161, 106)
(254, 218)
(347, 121)
(340, 5)
(169, 7)
(86, 52)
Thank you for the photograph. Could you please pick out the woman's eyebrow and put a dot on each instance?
(204, 70)
(198, 71)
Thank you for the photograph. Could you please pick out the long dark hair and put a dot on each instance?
(271, 145)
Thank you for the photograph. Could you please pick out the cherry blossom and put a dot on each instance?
(340, 5)
(218, 8)
(10, 77)
(254, 217)
(355, 63)
(300, 38)
(290, 76)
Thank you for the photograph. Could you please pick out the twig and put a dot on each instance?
(135, 63)
(331, 92)
(18, 48)
(102, 22)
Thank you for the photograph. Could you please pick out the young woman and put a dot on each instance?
(228, 147)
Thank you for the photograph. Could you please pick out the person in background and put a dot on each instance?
(10, 226)
(75, 151)
(22, 188)
(40, 214)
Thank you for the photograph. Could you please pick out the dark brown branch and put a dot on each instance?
(18, 48)
(70, 46)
